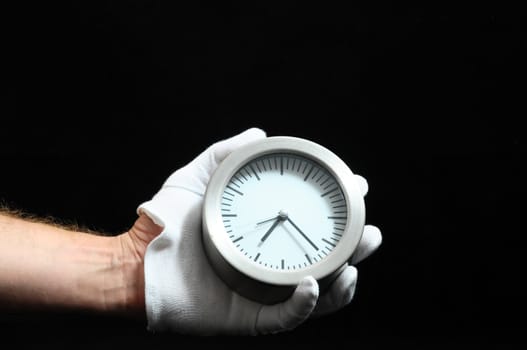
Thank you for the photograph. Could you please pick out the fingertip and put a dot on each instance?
(350, 286)
(308, 286)
(255, 133)
(363, 184)
(308, 281)
(352, 272)
(348, 277)
(369, 243)
(223, 148)
(290, 313)
(374, 236)
(249, 135)
(301, 304)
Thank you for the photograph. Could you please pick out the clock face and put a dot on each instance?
(283, 211)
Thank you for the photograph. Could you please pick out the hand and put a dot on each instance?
(183, 293)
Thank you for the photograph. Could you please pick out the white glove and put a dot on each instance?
(182, 291)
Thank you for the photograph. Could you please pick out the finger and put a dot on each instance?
(290, 313)
(370, 241)
(339, 294)
(195, 175)
(223, 148)
(363, 184)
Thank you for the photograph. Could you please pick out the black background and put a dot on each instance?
(104, 100)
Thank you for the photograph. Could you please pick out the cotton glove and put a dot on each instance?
(183, 293)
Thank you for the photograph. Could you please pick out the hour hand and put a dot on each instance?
(282, 215)
(271, 229)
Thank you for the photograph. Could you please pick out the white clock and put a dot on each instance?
(278, 210)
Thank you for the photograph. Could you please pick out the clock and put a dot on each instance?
(277, 210)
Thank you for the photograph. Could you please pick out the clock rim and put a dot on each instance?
(216, 238)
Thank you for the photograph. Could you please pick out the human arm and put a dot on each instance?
(158, 267)
(47, 266)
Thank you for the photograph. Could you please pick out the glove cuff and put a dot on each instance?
(163, 279)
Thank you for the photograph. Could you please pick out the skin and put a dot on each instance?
(46, 266)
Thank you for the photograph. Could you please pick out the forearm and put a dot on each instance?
(46, 266)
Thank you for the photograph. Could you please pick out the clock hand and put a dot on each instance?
(282, 215)
(271, 219)
(302, 233)
(269, 231)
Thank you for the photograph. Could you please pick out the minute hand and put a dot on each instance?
(302, 233)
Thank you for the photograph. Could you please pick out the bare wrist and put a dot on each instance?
(123, 291)
(132, 248)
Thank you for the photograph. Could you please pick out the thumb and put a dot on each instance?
(195, 175)
(292, 312)
(220, 150)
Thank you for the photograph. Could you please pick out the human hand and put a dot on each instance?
(183, 293)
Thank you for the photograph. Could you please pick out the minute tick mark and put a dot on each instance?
(315, 174)
(235, 190)
(237, 178)
(309, 173)
(251, 166)
(328, 242)
(328, 192)
(257, 167)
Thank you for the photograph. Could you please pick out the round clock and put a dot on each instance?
(278, 210)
